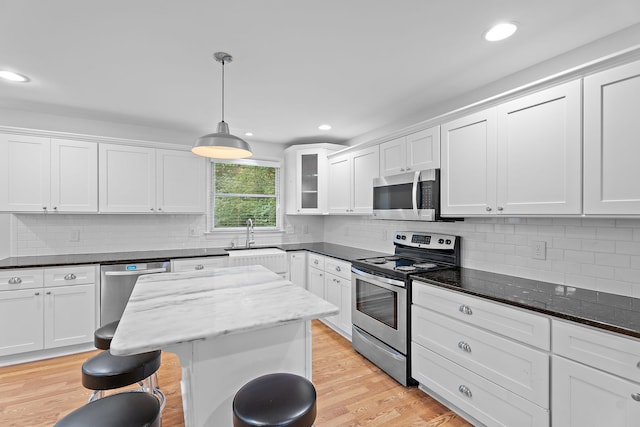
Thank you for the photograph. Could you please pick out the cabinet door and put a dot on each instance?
(468, 170)
(309, 178)
(316, 282)
(611, 135)
(333, 294)
(339, 194)
(21, 319)
(393, 157)
(24, 173)
(345, 307)
(69, 315)
(423, 149)
(298, 268)
(364, 168)
(585, 397)
(539, 147)
(74, 176)
(180, 182)
(127, 178)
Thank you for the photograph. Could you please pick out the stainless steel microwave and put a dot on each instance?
(409, 196)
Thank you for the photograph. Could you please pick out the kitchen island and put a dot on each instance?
(227, 326)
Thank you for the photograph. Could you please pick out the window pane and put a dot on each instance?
(234, 211)
(244, 179)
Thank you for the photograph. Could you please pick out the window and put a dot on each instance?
(242, 189)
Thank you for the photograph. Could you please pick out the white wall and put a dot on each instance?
(599, 254)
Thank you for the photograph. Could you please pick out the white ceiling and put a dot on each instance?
(356, 64)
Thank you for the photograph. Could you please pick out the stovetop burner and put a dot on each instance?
(406, 267)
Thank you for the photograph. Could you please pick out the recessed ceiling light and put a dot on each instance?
(500, 31)
(13, 77)
(324, 127)
(248, 134)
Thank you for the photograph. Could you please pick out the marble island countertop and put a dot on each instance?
(172, 308)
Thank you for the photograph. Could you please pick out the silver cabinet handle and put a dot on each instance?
(15, 281)
(636, 397)
(70, 276)
(338, 268)
(48, 292)
(488, 208)
(500, 208)
(152, 209)
(464, 346)
(465, 390)
(320, 274)
(401, 169)
(408, 169)
(159, 209)
(44, 208)
(55, 208)
(315, 261)
(465, 309)
(37, 293)
(199, 267)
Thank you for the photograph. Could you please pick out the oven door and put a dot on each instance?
(379, 307)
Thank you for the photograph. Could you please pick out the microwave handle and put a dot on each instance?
(416, 178)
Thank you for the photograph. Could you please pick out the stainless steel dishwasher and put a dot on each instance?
(117, 282)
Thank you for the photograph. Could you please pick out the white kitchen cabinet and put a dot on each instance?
(316, 281)
(298, 268)
(52, 307)
(351, 181)
(519, 158)
(148, 180)
(306, 178)
(198, 263)
(21, 314)
(611, 134)
(414, 152)
(47, 175)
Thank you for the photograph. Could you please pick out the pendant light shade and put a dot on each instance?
(222, 145)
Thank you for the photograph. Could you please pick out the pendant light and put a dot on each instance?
(222, 145)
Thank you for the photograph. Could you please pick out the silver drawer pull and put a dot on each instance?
(464, 346)
(636, 397)
(338, 268)
(37, 293)
(315, 261)
(465, 390)
(70, 276)
(465, 309)
(15, 281)
(199, 267)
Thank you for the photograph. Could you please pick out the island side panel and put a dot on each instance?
(215, 369)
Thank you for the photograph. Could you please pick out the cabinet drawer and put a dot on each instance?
(315, 261)
(197, 264)
(23, 278)
(516, 367)
(501, 319)
(607, 351)
(70, 275)
(338, 267)
(485, 401)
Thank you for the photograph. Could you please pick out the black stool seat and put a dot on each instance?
(133, 409)
(103, 335)
(105, 371)
(275, 400)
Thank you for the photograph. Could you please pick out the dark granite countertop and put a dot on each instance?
(616, 313)
(345, 253)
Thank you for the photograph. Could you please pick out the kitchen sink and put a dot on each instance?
(254, 252)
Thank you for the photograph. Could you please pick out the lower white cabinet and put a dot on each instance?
(298, 268)
(47, 308)
(198, 264)
(595, 377)
(330, 278)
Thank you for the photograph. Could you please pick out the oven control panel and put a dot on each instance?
(424, 240)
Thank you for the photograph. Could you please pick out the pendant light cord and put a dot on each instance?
(223, 90)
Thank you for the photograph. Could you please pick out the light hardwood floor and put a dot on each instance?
(351, 391)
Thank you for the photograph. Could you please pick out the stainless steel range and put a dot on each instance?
(381, 297)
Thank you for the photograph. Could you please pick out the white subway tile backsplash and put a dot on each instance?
(562, 243)
(577, 232)
(603, 233)
(613, 260)
(598, 271)
(608, 246)
(579, 256)
(631, 248)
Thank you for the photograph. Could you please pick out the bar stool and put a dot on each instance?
(275, 400)
(103, 335)
(132, 409)
(105, 371)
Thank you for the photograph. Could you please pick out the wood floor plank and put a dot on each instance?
(352, 392)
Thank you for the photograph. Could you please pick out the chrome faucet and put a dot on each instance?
(250, 238)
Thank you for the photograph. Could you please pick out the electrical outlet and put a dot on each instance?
(74, 236)
(539, 249)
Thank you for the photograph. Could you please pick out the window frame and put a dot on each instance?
(249, 162)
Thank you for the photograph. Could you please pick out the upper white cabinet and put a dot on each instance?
(418, 151)
(306, 178)
(47, 175)
(611, 135)
(141, 179)
(519, 158)
(351, 181)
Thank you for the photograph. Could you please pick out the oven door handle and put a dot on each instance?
(414, 193)
(373, 278)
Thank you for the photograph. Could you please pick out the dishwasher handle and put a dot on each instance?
(135, 272)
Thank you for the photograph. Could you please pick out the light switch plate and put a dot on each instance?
(539, 250)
